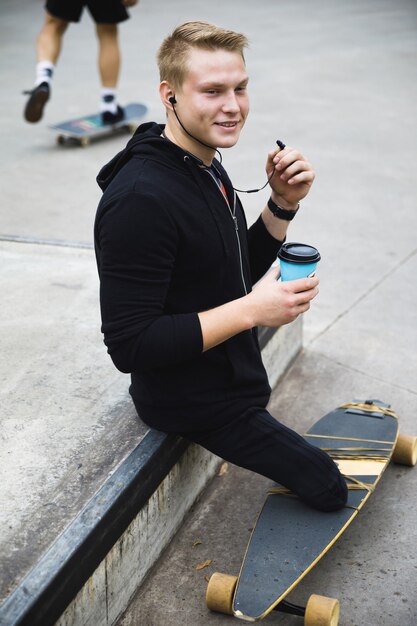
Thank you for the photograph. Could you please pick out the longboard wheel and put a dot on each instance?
(84, 141)
(60, 140)
(322, 611)
(220, 590)
(405, 451)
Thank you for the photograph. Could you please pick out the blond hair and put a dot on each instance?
(173, 53)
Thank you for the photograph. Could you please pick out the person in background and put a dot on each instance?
(59, 13)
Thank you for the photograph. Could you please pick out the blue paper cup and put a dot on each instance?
(297, 260)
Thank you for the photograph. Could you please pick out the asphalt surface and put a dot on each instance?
(335, 79)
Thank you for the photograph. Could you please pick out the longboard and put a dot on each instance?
(83, 129)
(289, 538)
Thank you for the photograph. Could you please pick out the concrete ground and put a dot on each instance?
(336, 79)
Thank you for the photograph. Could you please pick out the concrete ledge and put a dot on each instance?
(280, 348)
(108, 591)
(92, 570)
(60, 573)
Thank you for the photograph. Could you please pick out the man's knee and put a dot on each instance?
(54, 25)
(107, 31)
(329, 497)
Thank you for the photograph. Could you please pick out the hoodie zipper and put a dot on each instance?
(234, 218)
(233, 214)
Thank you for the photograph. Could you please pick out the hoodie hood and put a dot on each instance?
(145, 136)
(147, 141)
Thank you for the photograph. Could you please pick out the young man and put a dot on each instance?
(177, 265)
(59, 13)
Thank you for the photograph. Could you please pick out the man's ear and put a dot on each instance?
(167, 92)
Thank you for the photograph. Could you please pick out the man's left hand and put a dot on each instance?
(292, 179)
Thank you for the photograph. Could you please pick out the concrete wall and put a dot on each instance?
(107, 593)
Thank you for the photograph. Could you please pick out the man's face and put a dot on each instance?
(213, 102)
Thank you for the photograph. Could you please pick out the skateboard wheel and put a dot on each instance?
(405, 451)
(60, 140)
(84, 141)
(322, 611)
(219, 595)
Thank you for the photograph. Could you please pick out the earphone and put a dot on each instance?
(172, 100)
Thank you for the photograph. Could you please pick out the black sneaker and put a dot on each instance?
(39, 96)
(112, 118)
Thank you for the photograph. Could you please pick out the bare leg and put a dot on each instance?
(109, 54)
(48, 48)
(49, 41)
(109, 68)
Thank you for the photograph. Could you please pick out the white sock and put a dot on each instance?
(108, 100)
(44, 72)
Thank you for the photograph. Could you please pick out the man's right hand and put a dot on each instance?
(271, 303)
(275, 303)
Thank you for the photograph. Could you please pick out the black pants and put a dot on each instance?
(258, 442)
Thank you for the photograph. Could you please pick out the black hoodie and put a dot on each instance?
(168, 245)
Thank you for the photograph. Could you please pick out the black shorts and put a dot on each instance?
(102, 11)
(258, 442)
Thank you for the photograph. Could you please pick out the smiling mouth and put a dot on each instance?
(227, 124)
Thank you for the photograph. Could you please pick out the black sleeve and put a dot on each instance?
(263, 249)
(136, 244)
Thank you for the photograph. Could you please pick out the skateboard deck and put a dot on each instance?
(289, 538)
(83, 129)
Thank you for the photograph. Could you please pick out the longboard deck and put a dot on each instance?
(87, 127)
(289, 538)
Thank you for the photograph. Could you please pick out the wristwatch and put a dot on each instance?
(284, 214)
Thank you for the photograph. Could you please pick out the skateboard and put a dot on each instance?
(289, 538)
(83, 129)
